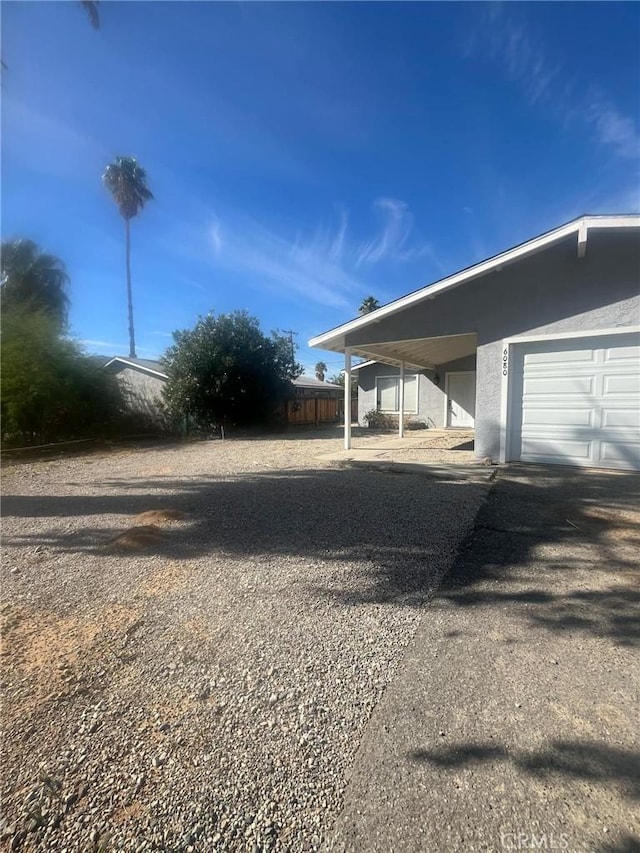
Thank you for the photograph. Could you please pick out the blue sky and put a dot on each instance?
(304, 156)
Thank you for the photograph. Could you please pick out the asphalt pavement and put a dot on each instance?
(513, 721)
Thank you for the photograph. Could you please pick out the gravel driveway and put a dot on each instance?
(202, 681)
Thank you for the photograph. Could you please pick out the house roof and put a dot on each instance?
(334, 339)
(313, 382)
(147, 365)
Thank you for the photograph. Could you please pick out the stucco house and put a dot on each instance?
(537, 349)
(142, 381)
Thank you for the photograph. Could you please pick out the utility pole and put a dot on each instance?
(291, 333)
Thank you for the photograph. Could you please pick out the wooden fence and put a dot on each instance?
(317, 410)
(312, 410)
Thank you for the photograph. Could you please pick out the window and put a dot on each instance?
(388, 393)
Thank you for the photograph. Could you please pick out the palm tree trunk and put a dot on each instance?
(132, 339)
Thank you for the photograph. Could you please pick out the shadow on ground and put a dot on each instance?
(561, 544)
(393, 530)
(564, 522)
(587, 760)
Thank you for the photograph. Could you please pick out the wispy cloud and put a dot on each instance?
(504, 37)
(396, 228)
(612, 128)
(49, 145)
(393, 241)
(311, 267)
(326, 266)
(111, 345)
(114, 348)
(216, 236)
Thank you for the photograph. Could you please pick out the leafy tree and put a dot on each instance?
(226, 371)
(33, 280)
(321, 370)
(49, 390)
(368, 305)
(127, 183)
(338, 379)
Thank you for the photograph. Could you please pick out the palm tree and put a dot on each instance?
(321, 369)
(34, 279)
(127, 183)
(368, 305)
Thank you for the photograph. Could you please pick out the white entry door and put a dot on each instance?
(461, 399)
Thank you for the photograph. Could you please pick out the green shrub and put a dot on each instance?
(51, 391)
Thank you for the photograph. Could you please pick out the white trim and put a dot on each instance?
(396, 376)
(390, 361)
(505, 397)
(447, 374)
(143, 367)
(363, 364)
(347, 398)
(506, 385)
(551, 336)
(332, 337)
(401, 400)
(582, 239)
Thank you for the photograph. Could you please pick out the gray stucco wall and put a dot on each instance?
(431, 385)
(549, 292)
(143, 391)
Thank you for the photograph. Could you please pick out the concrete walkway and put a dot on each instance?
(513, 722)
(442, 454)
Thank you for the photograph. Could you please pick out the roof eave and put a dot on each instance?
(334, 340)
(142, 367)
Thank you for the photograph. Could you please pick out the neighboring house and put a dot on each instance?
(315, 402)
(537, 348)
(142, 381)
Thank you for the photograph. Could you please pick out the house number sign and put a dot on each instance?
(505, 361)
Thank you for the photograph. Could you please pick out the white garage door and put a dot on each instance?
(577, 402)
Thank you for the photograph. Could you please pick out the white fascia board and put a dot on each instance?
(363, 364)
(631, 220)
(332, 340)
(582, 239)
(582, 333)
(142, 367)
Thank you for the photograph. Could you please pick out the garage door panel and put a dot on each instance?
(626, 383)
(622, 418)
(631, 354)
(622, 454)
(558, 385)
(579, 402)
(555, 450)
(555, 358)
(545, 417)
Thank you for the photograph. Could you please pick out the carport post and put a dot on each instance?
(401, 401)
(347, 398)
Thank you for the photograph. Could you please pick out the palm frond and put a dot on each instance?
(126, 180)
(91, 8)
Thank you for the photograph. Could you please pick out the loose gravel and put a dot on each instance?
(202, 682)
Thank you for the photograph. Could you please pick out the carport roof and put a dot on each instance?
(335, 339)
